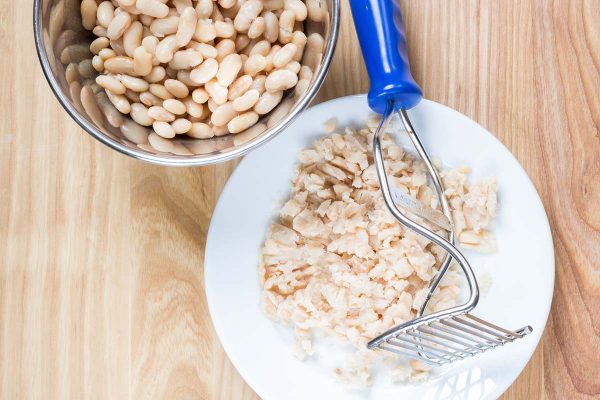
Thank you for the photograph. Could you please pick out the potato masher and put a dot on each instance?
(449, 335)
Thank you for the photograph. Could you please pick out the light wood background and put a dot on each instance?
(101, 291)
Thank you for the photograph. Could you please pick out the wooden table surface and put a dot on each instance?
(101, 289)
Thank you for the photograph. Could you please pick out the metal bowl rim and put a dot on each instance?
(196, 160)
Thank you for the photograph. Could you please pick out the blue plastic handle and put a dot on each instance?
(382, 40)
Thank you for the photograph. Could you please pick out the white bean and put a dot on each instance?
(271, 26)
(157, 74)
(280, 80)
(212, 106)
(105, 54)
(150, 100)
(268, 101)
(224, 48)
(163, 129)
(257, 28)
(133, 97)
(99, 44)
(239, 87)
(217, 15)
(97, 63)
(181, 5)
(224, 29)
(262, 47)
(200, 96)
(75, 53)
(229, 69)
(281, 111)
(286, 26)
(284, 55)
(293, 66)
(180, 150)
(132, 38)
(177, 88)
(134, 132)
(269, 57)
(205, 71)
(181, 125)
(99, 31)
(94, 86)
(105, 13)
(313, 51)
(206, 50)
(162, 27)
(227, 3)
(160, 114)
(216, 91)
(111, 84)
(166, 48)
(153, 8)
(136, 84)
(205, 31)
(150, 43)
(119, 65)
(113, 116)
(204, 8)
(241, 42)
(246, 14)
(273, 5)
(159, 143)
(297, 7)
(254, 64)
(117, 46)
(246, 101)
(259, 83)
(89, 103)
(72, 74)
(174, 106)
(220, 130)
(315, 42)
(142, 61)
(187, 26)
(126, 3)
(194, 109)
(186, 59)
(183, 76)
(139, 113)
(200, 130)
(305, 73)
(223, 114)
(299, 39)
(146, 20)
(118, 25)
(242, 122)
(249, 134)
(120, 102)
(301, 88)
(160, 91)
(316, 11)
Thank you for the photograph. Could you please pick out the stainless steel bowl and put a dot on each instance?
(61, 40)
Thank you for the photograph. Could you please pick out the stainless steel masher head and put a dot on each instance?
(453, 334)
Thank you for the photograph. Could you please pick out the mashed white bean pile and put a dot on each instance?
(199, 68)
(338, 264)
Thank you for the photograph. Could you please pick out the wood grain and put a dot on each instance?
(101, 290)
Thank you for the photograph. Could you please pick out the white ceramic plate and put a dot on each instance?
(522, 270)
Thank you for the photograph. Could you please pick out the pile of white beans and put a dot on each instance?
(199, 68)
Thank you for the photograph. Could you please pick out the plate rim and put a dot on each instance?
(500, 389)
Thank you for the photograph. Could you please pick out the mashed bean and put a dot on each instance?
(337, 263)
